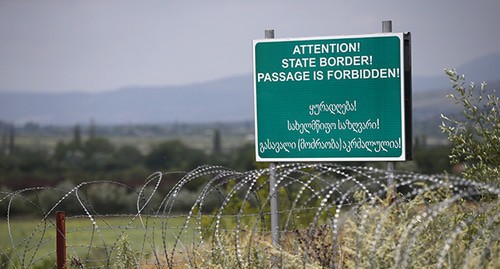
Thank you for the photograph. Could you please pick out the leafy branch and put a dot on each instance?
(476, 134)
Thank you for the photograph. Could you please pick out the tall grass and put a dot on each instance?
(331, 217)
(435, 229)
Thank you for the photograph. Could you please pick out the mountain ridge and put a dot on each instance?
(226, 99)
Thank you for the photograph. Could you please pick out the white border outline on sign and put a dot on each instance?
(402, 157)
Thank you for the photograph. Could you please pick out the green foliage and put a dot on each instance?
(217, 143)
(110, 198)
(98, 158)
(431, 230)
(6, 260)
(97, 145)
(125, 256)
(77, 137)
(27, 163)
(126, 156)
(436, 225)
(475, 136)
(243, 158)
(174, 155)
(438, 163)
(418, 233)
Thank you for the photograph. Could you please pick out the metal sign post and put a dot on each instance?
(273, 191)
(387, 28)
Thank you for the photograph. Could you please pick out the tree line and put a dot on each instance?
(99, 158)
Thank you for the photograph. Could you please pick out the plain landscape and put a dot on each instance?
(166, 177)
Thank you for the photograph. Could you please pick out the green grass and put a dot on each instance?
(35, 241)
(201, 141)
(381, 234)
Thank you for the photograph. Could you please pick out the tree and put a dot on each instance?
(476, 135)
(98, 154)
(431, 160)
(77, 137)
(217, 144)
(243, 158)
(97, 145)
(174, 155)
(12, 135)
(127, 156)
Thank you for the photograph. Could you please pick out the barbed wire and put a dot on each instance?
(227, 220)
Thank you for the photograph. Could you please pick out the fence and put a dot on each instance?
(331, 216)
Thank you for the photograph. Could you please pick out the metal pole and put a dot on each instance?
(269, 34)
(61, 239)
(390, 174)
(387, 28)
(275, 217)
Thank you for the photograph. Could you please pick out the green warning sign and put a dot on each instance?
(330, 98)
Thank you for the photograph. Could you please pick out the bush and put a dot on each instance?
(476, 135)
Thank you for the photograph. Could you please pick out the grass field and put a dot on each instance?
(202, 140)
(33, 243)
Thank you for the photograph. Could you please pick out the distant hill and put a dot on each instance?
(229, 99)
(486, 68)
(429, 94)
(428, 105)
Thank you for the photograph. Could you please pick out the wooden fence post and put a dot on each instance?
(61, 239)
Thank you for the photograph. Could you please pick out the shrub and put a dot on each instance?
(476, 135)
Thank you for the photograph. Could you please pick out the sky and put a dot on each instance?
(97, 46)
